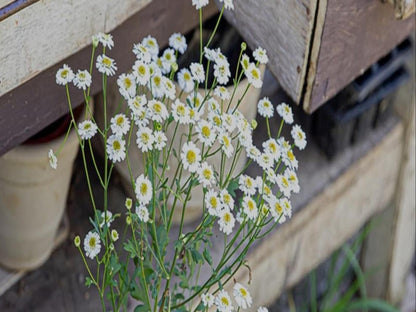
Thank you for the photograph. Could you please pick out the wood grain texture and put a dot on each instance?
(326, 222)
(284, 29)
(48, 31)
(356, 33)
(36, 103)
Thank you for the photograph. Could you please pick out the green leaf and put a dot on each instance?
(232, 186)
(374, 304)
(196, 256)
(141, 308)
(207, 256)
(88, 281)
(129, 247)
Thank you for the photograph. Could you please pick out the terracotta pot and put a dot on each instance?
(33, 196)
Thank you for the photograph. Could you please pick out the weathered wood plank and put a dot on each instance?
(284, 29)
(48, 31)
(326, 222)
(38, 102)
(356, 33)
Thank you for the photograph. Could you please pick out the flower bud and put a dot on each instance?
(129, 203)
(77, 241)
(243, 46)
(114, 235)
(95, 40)
(174, 67)
(254, 124)
(128, 220)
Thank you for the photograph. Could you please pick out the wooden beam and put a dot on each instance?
(39, 101)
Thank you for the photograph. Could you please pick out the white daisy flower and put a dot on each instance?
(185, 80)
(198, 72)
(271, 175)
(206, 175)
(157, 86)
(242, 296)
(253, 152)
(180, 112)
(262, 309)
(127, 85)
(137, 104)
(299, 136)
(206, 132)
(160, 140)
(227, 200)
(222, 93)
(116, 148)
(222, 72)
(246, 139)
(145, 139)
(106, 40)
(284, 145)
(196, 101)
(154, 69)
(114, 235)
(87, 129)
(82, 79)
(143, 189)
(178, 42)
(168, 58)
(106, 65)
(142, 213)
(265, 161)
(170, 89)
(106, 218)
(195, 114)
(276, 210)
(245, 61)
(253, 75)
(92, 245)
(250, 208)
(209, 54)
(191, 156)
(229, 122)
(141, 72)
(285, 112)
(199, 4)
(223, 302)
(207, 300)
(260, 55)
(265, 108)
(272, 148)
(157, 111)
(228, 4)
(284, 185)
(226, 221)
(220, 58)
(152, 46)
(289, 159)
(53, 161)
(142, 53)
(64, 75)
(226, 145)
(293, 180)
(287, 206)
(216, 120)
(120, 124)
(213, 203)
(247, 185)
(213, 105)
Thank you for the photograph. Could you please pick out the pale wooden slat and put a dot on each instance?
(284, 29)
(3, 3)
(47, 31)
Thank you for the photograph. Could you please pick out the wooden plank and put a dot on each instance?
(284, 29)
(56, 29)
(326, 222)
(36, 103)
(356, 33)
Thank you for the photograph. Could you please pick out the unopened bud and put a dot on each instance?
(77, 241)
(128, 220)
(243, 46)
(254, 124)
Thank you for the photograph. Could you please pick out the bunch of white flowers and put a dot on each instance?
(242, 207)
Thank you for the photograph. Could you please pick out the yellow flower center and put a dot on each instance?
(255, 74)
(207, 173)
(191, 156)
(251, 205)
(213, 201)
(206, 131)
(285, 182)
(227, 217)
(64, 73)
(106, 62)
(290, 155)
(157, 107)
(143, 188)
(127, 83)
(186, 76)
(243, 292)
(225, 301)
(120, 120)
(278, 208)
(142, 70)
(145, 137)
(157, 81)
(92, 242)
(87, 126)
(116, 145)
